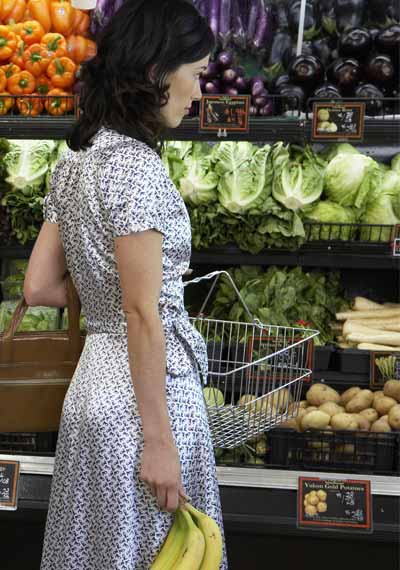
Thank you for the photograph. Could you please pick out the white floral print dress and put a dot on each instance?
(101, 516)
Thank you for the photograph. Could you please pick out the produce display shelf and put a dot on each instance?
(15, 127)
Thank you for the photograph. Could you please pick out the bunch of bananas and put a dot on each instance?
(194, 542)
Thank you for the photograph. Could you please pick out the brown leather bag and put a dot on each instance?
(36, 369)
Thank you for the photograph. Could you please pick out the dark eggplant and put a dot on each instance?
(322, 48)
(279, 55)
(280, 13)
(292, 98)
(378, 12)
(327, 15)
(327, 91)
(281, 80)
(306, 71)
(388, 41)
(373, 98)
(394, 10)
(349, 14)
(311, 21)
(345, 73)
(379, 69)
(355, 42)
(306, 49)
(373, 32)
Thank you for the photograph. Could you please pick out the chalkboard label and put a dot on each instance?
(284, 358)
(338, 121)
(384, 366)
(334, 505)
(225, 113)
(9, 475)
(396, 247)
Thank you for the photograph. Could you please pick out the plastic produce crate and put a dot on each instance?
(348, 451)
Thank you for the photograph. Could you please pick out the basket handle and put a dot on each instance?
(74, 309)
(217, 275)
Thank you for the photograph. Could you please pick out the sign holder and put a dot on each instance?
(9, 479)
(376, 380)
(224, 114)
(338, 121)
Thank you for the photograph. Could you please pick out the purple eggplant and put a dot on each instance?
(311, 21)
(388, 41)
(203, 83)
(373, 98)
(355, 42)
(224, 59)
(240, 71)
(202, 7)
(214, 16)
(238, 28)
(253, 110)
(262, 99)
(306, 71)
(213, 87)
(224, 32)
(257, 85)
(254, 11)
(263, 31)
(292, 98)
(242, 84)
(322, 48)
(279, 55)
(212, 71)
(231, 91)
(379, 69)
(267, 110)
(229, 76)
(349, 14)
(345, 73)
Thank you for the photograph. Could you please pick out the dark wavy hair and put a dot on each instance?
(145, 37)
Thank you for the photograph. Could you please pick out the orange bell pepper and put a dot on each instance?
(3, 80)
(36, 59)
(59, 102)
(22, 83)
(80, 22)
(6, 8)
(32, 32)
(55, 44)
(30, 106)
(17, 13)
(61, 13)
(8, 43)
(6, 103)
(16, 57)
(43, 85)
(80, 49)
(10, 69)
(27, 17)
(41, 13)
(61, 71)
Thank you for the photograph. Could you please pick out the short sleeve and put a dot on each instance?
(136, 190)
(49, 208)
(50, 201)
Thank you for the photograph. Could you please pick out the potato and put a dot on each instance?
(363, 423)
(311, 510)
(322, 495)
(305, 502)
(313, 494)
(349, 395)
(315, 420)
(302, 412)
(322, 507)
(313, 500)
(331, 408)
(320, 393)
(377, 395)
(282, 399)
(381, 426)
(303, 404)
(361, 401)
(394, 417)
(371, 414)
(289, 424)
(309, 409)
(392, 389)
(344, 421)
(383, 405)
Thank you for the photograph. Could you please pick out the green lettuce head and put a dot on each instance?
(326, 212)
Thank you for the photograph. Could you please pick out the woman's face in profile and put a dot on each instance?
(184, 89)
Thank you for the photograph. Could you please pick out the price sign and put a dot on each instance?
(334, 505)
(9, 476)
(338, 121)
(384, 365)
(224, 113)
(396, 242)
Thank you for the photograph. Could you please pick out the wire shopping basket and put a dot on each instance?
(256, 371)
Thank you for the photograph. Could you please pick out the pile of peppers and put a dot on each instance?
(42, 45)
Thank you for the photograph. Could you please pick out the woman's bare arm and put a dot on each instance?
(45, 277)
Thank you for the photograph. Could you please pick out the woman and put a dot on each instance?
(134, 434)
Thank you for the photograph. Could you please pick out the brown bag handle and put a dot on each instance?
(74, 311)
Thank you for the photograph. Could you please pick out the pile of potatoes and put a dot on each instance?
(315, 502)
(355, 409)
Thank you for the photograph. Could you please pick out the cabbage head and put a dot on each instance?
(338, 148)
(349, 179)
(379, 211)
(27, 162)
(198, 182)
(332, 214)
(391, 186)
(396, 163)
(245, 176)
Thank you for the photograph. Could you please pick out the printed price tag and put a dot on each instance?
(334, 505)
(9, 477)
(338, 121)
(224, 113)
(396, 241)
(384, 366)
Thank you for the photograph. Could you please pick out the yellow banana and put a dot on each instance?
(171, 548)
(212, 536)
(192, 552)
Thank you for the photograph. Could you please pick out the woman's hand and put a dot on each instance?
(161, 471)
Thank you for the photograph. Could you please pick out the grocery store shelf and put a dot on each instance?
(15, 127)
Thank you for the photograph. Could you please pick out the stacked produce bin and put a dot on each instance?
(307, 231)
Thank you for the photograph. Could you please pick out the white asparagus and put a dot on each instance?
(392, 305)
(359, 326)
(376, 347)
(345, 345)
(368, 314)
(387, 338)
(364, 304)
(375, 322)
